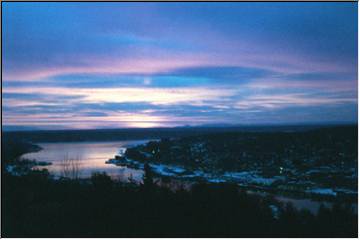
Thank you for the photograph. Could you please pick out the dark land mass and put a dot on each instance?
(34, 204)
(234, 151)
(142, 133)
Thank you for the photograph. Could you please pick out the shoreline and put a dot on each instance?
(263, 191)
(162, 170)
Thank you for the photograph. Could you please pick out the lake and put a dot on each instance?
(81, 159)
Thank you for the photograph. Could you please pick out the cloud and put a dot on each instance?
(273, 101)
(133, 64)
(197, 95)
(64, 40)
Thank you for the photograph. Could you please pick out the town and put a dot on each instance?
(317, 162)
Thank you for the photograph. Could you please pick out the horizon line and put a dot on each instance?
(3, 127)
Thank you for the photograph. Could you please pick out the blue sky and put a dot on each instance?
(109, 65)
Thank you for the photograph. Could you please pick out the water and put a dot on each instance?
(299, 203)
(84, 158)
(89, 157)
(311, 205)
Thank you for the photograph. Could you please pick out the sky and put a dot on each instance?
(123, 65)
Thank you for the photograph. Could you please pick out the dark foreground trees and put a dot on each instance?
(37, 206)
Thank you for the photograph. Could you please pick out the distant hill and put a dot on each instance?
(141, 133)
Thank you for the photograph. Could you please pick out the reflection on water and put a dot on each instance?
(311, 205)
(81, 159)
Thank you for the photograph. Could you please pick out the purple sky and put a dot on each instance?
(109, 65)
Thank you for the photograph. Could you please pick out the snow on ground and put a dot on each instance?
(242, 178)
(246, 177)
(250, 177)
(322, 191)
(10, 169)
(275, 211)
(216, 180)
(167, 170)
(122, 151)
(346, 191)
(147, 155)
(262, 181)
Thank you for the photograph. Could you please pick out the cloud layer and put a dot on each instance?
(91, 65)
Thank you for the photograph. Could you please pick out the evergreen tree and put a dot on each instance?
(148, 176)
